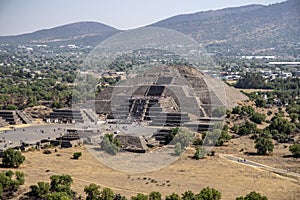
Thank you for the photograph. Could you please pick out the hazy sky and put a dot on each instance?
(23, 16)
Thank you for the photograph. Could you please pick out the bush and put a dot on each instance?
(258, 118)
(197, 142)
(11, 107)
(264, 145)
(295, 150)
(109, 144)
(173, 196)
(41, 190)
(8, 184)
(47, 151)
(20, 177)
(92, 191)
(178, 149)
(188, 195)
(58, 196)
(107, 194)
(61, 184)
(183, 137)
(12, 158)
(77, 155)
(155, 196)
(282, 125)
(252, 196)
(209, 194)
(140, 196)
(200, 153)
(247, 128)
(260, 102)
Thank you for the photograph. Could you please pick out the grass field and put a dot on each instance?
(230, 178)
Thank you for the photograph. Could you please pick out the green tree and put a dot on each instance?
(155, 196)
(178, 149)
(140, 196)
(58, 196)
(173, 196)
(282, 125)
(258, 118)
(61, 183)
(11, 107)
(253, 196)
(247, 128)
(208, 194)
(119, 197)
(188, 195)
(109, 144)
(251, 81)
(295, 150)
(12, 158)
(92, 191)
(106, 194)
(236, 110)
(40, 190)
(8, 184)
(294, 117)
(260, 102)
(264, 145)
(20, 177)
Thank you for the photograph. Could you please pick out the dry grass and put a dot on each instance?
(232, 179)
(280, 158)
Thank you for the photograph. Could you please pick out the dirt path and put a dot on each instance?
(261, 166)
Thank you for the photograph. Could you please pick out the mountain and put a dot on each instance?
(78, 33)
(249, 29)
(252, 29)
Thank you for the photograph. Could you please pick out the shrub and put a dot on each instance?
(188, 195)
(76, 155)
(173, 196)
(92, 191)
(109, 144)
(264, 145)
(107, 194)
(209, 194)
(47, 151)
(258, 118)
(40, 190)
(252, 196)
(140, 196)
(12, 158)
(155, 196)
(200, 153)
(295, 150)
(197, 142)
(178, 149)
(269, 113)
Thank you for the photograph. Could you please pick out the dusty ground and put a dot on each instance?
(232, 179)
(280, 158)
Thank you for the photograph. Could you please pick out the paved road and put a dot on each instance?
(32, 134)
(260, 166)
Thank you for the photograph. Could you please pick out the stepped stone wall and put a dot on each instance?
(13, 117)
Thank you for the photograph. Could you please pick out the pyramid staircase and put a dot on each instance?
(3, 122)
(73, 115)
(26, 119)
(11, 117)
